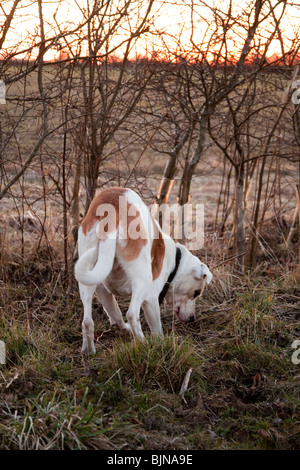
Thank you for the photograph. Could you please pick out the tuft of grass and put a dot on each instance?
(52, 422)
(156, 362)
(254, 321)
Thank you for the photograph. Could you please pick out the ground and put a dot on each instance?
(243, 391)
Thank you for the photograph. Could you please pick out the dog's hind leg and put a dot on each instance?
(133, 313)
(111, 307)
(86, 294)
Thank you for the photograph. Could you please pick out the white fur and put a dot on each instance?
(94, 272)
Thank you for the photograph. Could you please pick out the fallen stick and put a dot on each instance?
(185, 383)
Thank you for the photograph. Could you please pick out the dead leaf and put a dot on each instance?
(265, 434)
(185, 382)
(257, 383)
(79, 395)
(15, 377)
(140, 373)
(90, 372)
(270, 435)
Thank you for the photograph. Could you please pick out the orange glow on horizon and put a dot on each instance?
(177, 37)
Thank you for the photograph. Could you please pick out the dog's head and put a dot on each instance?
(193, 275)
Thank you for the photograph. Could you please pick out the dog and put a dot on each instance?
(123, 251)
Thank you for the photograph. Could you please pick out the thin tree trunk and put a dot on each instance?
(75, 203)
(293, 234)
(240, 218)
(249, 183)
(197, 154)
(182, 200)
(255, 234)
(298, 205)
(167, 181)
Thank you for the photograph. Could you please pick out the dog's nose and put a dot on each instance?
(191, 319)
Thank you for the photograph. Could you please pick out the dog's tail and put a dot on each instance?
(101, 260)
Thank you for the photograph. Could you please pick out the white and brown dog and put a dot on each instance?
(123, 251)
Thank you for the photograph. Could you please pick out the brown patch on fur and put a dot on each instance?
(110, 221)
(134, 245)
(157, 251)
(107, 196)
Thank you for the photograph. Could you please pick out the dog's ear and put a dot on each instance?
(202, 273)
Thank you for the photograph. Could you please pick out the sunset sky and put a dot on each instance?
(171, 19)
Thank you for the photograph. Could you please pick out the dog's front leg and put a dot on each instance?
(86, 294)
(152, 313)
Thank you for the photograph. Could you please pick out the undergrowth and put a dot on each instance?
(243, 391)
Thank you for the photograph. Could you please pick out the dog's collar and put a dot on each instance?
(171, 276)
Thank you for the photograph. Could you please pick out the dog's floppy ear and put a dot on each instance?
(202, 273)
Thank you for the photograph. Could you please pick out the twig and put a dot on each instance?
(229, 259)
(185, 383)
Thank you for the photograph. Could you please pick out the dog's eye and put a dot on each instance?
(196, 293)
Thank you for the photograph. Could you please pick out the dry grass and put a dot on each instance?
(243, 392)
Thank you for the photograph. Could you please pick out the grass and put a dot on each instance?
(243, 391)
(156, 362)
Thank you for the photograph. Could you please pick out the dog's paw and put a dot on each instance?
(124, 328)
(88, 349)
(127, 328)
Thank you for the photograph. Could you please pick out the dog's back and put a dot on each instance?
(117, 225)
